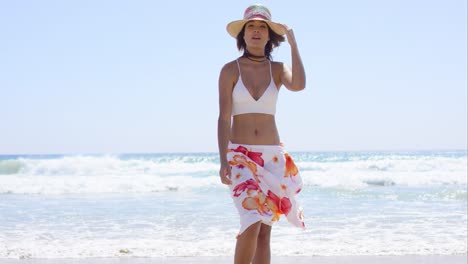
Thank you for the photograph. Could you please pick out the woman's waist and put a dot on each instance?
(254, 118)
(254, 130)
(254, 123)
(252, 138)
(258, 135)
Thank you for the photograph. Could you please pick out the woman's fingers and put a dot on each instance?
(225, 175)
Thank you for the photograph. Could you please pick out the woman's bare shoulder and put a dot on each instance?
(230, 72)
(277, 68)
(230, 67)
(277, 65)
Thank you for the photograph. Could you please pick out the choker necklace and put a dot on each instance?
(250, 58)
(255, 57)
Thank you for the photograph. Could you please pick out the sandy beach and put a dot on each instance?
(434, 259)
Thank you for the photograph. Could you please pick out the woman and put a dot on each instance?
(262, 177)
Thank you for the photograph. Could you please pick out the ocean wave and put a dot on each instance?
(389, 171)
(10, 167)
(106, 165)
(104, 184)
(176, 172)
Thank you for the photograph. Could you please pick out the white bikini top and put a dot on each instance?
(244, 103)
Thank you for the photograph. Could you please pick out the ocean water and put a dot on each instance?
(355, 203)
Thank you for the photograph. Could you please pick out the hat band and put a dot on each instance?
(257, 16)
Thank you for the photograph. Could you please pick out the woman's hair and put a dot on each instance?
(275, 41)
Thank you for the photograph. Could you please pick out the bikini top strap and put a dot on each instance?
(271, 73)
(238, 66)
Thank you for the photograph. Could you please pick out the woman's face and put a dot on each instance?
(256, 34)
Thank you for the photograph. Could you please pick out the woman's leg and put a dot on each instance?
(262, 254)
(247, 244)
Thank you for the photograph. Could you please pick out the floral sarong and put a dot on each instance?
(265, 181)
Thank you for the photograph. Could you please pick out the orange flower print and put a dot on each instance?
(242, 162)
(247, 185)
(275, 159)
(264, 189)
(283, 205)
(270, 205)
(258, 202)
(254, 156)
(291, 169)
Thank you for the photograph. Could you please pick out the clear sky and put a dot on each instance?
(112, 76)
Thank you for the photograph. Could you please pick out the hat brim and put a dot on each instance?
(235, 27)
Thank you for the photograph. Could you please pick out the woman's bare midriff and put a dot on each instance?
(254, 129)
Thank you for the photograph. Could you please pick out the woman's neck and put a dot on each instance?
(256, 57)
(255, 53)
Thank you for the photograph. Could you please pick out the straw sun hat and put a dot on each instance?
(254, 12)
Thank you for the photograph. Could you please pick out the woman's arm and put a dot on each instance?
(295, 79)
(224, 120)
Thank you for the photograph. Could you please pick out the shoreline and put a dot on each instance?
(403, 259)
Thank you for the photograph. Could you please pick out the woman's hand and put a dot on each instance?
(293, 79)
(225, 174)
(289, 34)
